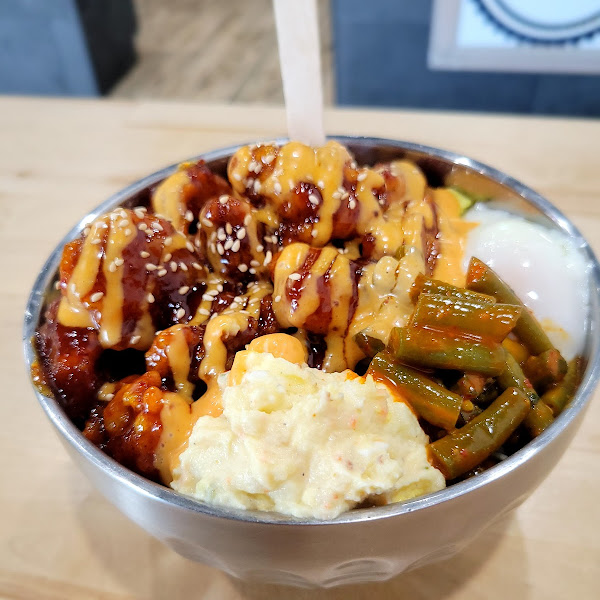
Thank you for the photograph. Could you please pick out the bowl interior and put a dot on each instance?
(441, 168)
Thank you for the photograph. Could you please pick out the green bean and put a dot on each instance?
(481, 278)
(491, 321)
(429, 400)
(540, 415)
(421, 347)
(545, 369)
(558, 396)
(465, 448)
(539, 418)
(513, 376)
(426, 285)
(368, 344)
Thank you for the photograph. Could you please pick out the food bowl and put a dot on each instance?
(367, 544)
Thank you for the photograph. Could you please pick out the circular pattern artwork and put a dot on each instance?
(544, 22)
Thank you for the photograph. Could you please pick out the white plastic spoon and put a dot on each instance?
(300, 62)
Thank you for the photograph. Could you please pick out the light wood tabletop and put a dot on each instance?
(60, 539)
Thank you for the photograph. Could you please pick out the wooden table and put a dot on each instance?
(59, 539)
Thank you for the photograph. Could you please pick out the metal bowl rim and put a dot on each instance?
(166, 495)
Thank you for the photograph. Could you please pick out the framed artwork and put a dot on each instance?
(526, 36)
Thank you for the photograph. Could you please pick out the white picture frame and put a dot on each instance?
(511, 42)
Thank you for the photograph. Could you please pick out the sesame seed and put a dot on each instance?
(204, 311)
(190, 246)
(221, 235)
(128, 232)
(142, 226)
(228, 244)
(352, 204)
(184, 289)
(139, 213)
(277, 187)
(220, 249)
(314, 233)
(161, 272)
(157, 226)
(219, 287)
(361, 176)
(135, 339)
(119, 261)
(183, 266)
(96, 241)
(247, 220)
(237, 176)
(97, 296)
(336, 195)
(268, 258)
(345, 195)
(241, 233)
(197, 243)
(86, 231)
(235, 247)
(252, 271)
(196, 266)
(260, 248)
(277, 299)
(109, 397)
(257, 186)
(254, 263)
(151, 267)
(150, 298)
(321, 183)
(206, 222)
(180, 313)
(269, 159)
(228, 228)
(112, 267)
(313, 199)
(295, 276)
(173, 266)
(57, 284)
(123, 223)
(189, 216)
(167, 257)
(168, 240)
(207, 297)
(242, 268)
(223, 199)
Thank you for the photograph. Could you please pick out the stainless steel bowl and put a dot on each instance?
(362, 545)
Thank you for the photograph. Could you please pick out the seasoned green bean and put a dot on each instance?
(430, 348)
(368, 344)
(513, 376)
(545, 369)
(557, 397)
(539, 418)
(429, 400)
(465, 448)
(491, 321)
(426, 285)
(481, 278)
(540, 415)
